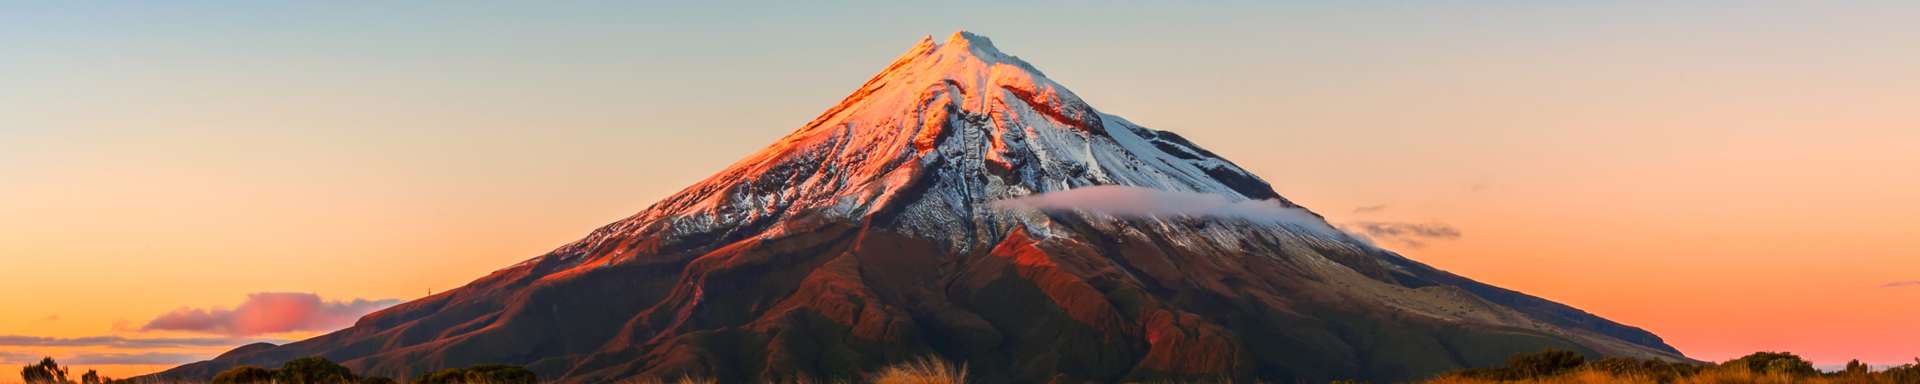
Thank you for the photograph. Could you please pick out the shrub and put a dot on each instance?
(377, 380)
(480, 374)
(313, 370)
(1760, 368)
(1528, 365)
(245, 374)
(92, 377)
(500, 374)
(1775, 362)
(1658, 370)
(47, 371)
(1545, 363)
(1905, 373)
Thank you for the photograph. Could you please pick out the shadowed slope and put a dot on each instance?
(867, 237)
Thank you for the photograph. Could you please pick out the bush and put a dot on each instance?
(92, 377)
(314, 370)
(1905, 373)
(1775, 362)
(1763, 367)
(1545, 363)
(377, 380)
(1528, 365)
(480, 374)
(47, 371)
(245, 374)
(500, 374)
(1658, 370)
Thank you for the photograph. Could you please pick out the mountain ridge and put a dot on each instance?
(869, 235)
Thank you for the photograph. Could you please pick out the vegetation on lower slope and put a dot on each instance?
(1545, 367)
(1559, 366)
(926, 370)
(48, 371)
(318, 370)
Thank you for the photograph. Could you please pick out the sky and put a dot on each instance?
(1733, 176)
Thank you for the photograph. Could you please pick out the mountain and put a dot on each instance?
(872, 235)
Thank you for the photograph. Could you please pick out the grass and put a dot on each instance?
(1717, 375)
(1546, 367)
(925, 370)
(1563, 367)
(683, 380)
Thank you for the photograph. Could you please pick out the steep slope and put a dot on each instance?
(868, 236)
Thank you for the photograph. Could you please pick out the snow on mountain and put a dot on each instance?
(942, 209)
(986, 125)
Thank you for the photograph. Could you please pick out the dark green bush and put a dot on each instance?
(1776, 362)
(313, 370)
(1541, 365)
(1659, 370)
(1905, 373)
(480, 374)
(245, 374)
(1545, 363)
(47, 371)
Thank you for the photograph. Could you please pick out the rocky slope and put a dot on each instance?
(871, 235)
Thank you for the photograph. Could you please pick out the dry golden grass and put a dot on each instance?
(1716, 375)
(925, 370)
(651, 380)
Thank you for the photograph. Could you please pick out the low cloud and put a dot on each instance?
(118, 342)
(1126, 201)
(1901, 284)
(269, 312)
(1369, 208)
(18, 358)
(144, 358)
(110, 358)
(1413, 235)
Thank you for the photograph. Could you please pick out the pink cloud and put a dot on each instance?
(1127, 201)
(269, 312)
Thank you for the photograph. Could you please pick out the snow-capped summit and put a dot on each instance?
(871, 235)
(975, 123)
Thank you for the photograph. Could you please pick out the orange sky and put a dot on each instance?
(1732, 178)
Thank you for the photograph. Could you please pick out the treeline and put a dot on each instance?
(319, 370)
(306, 370)
(48, 371)
(1561, 366)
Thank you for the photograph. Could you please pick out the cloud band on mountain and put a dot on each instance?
(1124, 201)
(269, 312)
(1408, 234)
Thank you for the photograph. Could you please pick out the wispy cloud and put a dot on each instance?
(1901, 284)
(1407, 234)
(1369, 209)
(109, 358)
(1126, 201)
(18, 358)
(119, 342)
(269, 312)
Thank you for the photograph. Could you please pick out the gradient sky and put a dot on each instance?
(1734, 176)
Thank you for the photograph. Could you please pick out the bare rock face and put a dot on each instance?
(868, 237)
